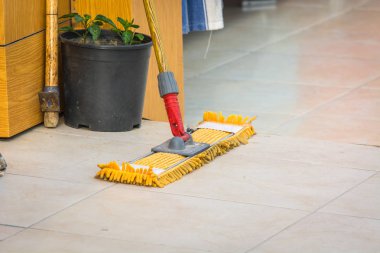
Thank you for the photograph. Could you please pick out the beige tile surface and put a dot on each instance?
(352, 118)
(312, 151)
(7, 231)
(271, 182)
(149, 133)
(371, 5)
(340, 128)
(357, 105)
(39, 241)
(283, 16)
(264, 123)
(35, 149)
(27, 200)
(357, 21)
(362, 201)
(251, 38)
(200, 61)
(36, 153)
(176, 221)
(334, 43)
(311, 70)
(375, 84)
(321, 233)
(265, 97)
(323, 4)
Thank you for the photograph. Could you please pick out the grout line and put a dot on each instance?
(13, 226)
(306, 162)
(61, 210)
(308, 215)
(76, 202)
(311, 55)
(49, 178)
(351, 216)
(276, 82)
(329, 101)
(223, 200)
(117, 239)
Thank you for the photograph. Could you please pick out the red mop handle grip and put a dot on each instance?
(174, 116)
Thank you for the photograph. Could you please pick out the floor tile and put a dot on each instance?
(242, 40)
(7, 231)
(149, 133)
(362, 201)
(371, 5)
(271, 182)
(340, 128)
(322, 4)
(263, 97)
(79, 150)
(327, 233)
(356, 105)
(198, 62)
(46, 150)
(27, 200)
(313, 151)
(48, 241)
(375, 84)
(324, 43)
(264, 123)
(179, 221)
(282, 16)
(311, 70)
(354, 21)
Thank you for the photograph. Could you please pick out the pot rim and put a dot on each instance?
(64, 40)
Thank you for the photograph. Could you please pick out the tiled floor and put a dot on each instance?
(309, 181)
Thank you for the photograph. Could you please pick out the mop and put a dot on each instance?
(187, 150)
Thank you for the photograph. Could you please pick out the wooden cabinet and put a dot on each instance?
(22, 61)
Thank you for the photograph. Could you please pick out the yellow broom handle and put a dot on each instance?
(154, 32)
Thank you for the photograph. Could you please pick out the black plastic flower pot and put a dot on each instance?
(104, 84)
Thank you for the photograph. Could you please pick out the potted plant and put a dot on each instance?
(104, 73)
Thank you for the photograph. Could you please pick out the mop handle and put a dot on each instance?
(154, 32)
(167, 84)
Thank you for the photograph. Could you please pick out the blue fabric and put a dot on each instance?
(193, 16)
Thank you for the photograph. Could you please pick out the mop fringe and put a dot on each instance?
(127, 174)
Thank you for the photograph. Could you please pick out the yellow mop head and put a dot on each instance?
(160, 169)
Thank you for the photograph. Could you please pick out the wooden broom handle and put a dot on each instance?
(154, 32)
(51, 68)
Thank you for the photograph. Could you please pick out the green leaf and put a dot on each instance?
(87, 17)
(124, 23)
(99, 23)
(135, 26)
(115, 30)
(127, 37)
(70, 15)
(105, 20)
(66, 29)
(139, 36)
(78, 18)
(95, 31)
